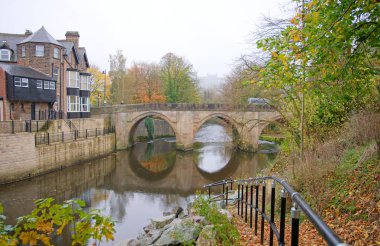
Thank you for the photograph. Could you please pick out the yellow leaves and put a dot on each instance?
(45, 226)
(29, 237)
(315, 16)
(274, 54)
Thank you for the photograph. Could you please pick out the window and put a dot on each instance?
(56, 53)
(73, 79)
(17, 81)
(46, 84)
(39, 84)
(84, 104)
(55, 73)
(5, 55)
(52, 85)
(84, 82)
(73, 104)
(23, 51)
(40, 50)
(24, 82)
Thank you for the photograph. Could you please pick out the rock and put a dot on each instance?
(148, 228)
(158, 223)
(229, 216)
(207, 237)
(179, 232)
(199, 219)
(176, 210)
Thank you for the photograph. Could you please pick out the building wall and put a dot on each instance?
(20, 158)
(3, 109)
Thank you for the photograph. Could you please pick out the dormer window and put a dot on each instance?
(5, 55)
(40, 50)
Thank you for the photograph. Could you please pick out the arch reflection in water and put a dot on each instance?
(216, 148)
(153, 160)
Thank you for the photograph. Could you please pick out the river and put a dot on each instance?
(141, 183)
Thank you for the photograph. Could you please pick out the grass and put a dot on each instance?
(226, 232)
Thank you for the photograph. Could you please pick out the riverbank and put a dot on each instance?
(340, 179)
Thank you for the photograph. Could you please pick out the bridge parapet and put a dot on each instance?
(182, 107)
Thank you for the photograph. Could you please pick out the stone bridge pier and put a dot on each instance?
(185, 119)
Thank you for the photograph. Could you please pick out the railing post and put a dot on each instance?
(226, 196)
(284, 195)
(13, 126)
(295, 214)
(37, 126)
(96, 132)
(272, 202)
(63, 137)
(242, 202)
(238, 207)
(48, 137)
(231, 184)
(30, 125)
(262, 212)
(209, 192)
(223, 188)
(246, 203)
(75, 135)
(250, 205)
(256, 205)
(86, 133)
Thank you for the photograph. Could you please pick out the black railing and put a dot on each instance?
(247, 201)
(15, 126)
(49, 138)
(49, 115)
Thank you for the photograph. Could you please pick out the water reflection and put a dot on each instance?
(135, 185)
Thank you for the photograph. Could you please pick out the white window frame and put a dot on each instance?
(73, 106)
(5, 55)
(52, 85)
(24, 82)
(39, 84)
(23, 51)
(17, 81)
(76, 82)
(85, 104)
(56, 53)
(46, 84)
(85, 82)
(40, 50)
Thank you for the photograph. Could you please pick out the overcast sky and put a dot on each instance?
(209, 33)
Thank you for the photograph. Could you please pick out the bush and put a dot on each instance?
(48, 220)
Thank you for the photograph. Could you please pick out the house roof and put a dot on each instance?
(41, 36)
(11, 40)
(69, 45)
(28, 72)
(82, 54)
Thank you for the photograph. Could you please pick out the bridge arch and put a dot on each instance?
(139, 118)
(224, 117)
(260, 129)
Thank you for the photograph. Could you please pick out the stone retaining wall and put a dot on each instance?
(20, 158)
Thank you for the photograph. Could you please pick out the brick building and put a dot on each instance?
(42, 78)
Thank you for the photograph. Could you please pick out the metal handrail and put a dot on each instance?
(299, 204)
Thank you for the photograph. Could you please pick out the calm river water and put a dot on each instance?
(141, 183)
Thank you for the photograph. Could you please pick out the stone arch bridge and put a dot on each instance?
(248, 121)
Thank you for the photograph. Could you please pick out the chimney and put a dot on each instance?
(73, 36)
(28, 32)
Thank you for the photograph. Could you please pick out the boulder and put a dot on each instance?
(207, 237)
(179, 232)
(158, 223)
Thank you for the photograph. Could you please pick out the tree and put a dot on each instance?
(324, 61)
(147, 84)
(118, 77)
(180, 81)
(100, 86)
